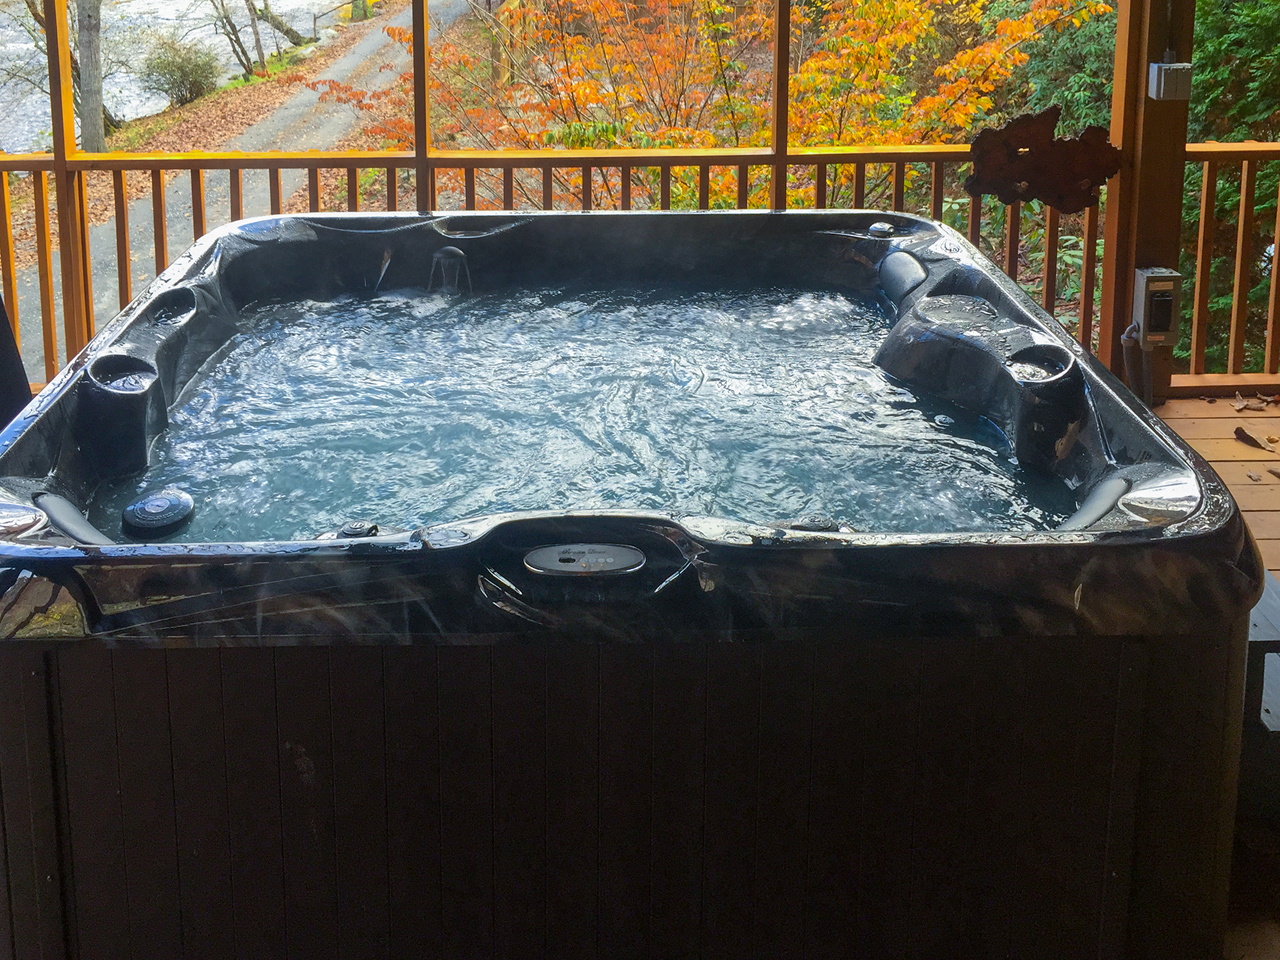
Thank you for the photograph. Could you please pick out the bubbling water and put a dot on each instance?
(757, 404)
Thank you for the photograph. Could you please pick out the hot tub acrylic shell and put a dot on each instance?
(763, 740)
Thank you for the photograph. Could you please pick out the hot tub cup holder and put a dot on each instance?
(173, 307)
(122, 407)
(1040, 364)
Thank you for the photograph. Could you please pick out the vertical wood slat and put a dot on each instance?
(664, 186)
(519, 674)
(95, 802)
(548, 194)
(508, 188)
(431, 186)
(1273, 302)
(197, 203)
(704, 186)
(1049, 284)
(353, 189)
(84, 262)
(938, 188)
(744, 186)
(820, 187)
(975, 220)
(44, 266)
(393, 189)
(1012, 238)
(859, 185)
(1204, 265)
(273, 178)
(305, 740)
(313, 189)
(1244, 260)
(360, 801)
(469, 188)
(140, 684)
(251, 735)
(7, 265)
(899, 186)
(625, 177)
(124, 271)
(586, 188)
(32, 881)
(235, 183)
(412, 715)
(200, 797)
(159, 221)
(1089, 276)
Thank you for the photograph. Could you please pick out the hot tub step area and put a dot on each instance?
(1210, 429)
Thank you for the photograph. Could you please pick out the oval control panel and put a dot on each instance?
(584, 559)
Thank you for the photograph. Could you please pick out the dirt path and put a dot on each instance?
(262, 116)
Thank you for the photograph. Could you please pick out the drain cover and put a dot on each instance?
(584, 559)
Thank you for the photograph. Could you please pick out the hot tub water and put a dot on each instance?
(412, 408)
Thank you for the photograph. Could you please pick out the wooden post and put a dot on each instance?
(781, 100)
(421, 114)
(1144, 200)
(71, 255)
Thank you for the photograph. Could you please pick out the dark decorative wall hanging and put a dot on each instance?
(1022, 161)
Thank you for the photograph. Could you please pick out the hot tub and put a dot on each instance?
(468, 701)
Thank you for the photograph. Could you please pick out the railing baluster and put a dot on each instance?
(820, 187)
(77, 339)
(393, 190)
(548, 194)
(1244, 256)
(7, 264)
(469, 188)
(626, 187)
(159, 222)
(704, 186)
(1088, 275)
(44, 267)
(1273, 301)
(1012, 234)
(313, 189)
(273, 177)
(664, 182)
(938, 171)
(353, 190)
(1049, 286)
(744, 186)
(235, 180)
(899, 186)
(197, 203)
(586, 188)
(859, 185)
(1204, 265)
(508, 188)
(975, 220)
(432, 198)
(124, 271)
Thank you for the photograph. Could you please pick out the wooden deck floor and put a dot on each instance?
(1210, 428)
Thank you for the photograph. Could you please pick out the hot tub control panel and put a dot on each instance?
(584, 559)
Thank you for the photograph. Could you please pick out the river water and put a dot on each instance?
(128, 27)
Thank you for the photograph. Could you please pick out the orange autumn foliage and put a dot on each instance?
(698, 73)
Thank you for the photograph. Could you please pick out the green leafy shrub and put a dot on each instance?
(183, 72)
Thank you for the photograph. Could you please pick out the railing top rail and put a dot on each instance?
(1245, 150)
(496, 159)
(26, 161)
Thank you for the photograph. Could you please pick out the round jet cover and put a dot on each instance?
(584, 559)
(157, 514)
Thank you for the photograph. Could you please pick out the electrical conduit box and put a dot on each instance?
(1157, 293)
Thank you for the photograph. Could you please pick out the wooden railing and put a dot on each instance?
(1237, 164)
(921, 179)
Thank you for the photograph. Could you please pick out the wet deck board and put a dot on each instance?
(1210, 429)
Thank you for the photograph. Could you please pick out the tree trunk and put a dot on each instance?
(257, 37)
(223, 16)
(93, 137)
(290, 34)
